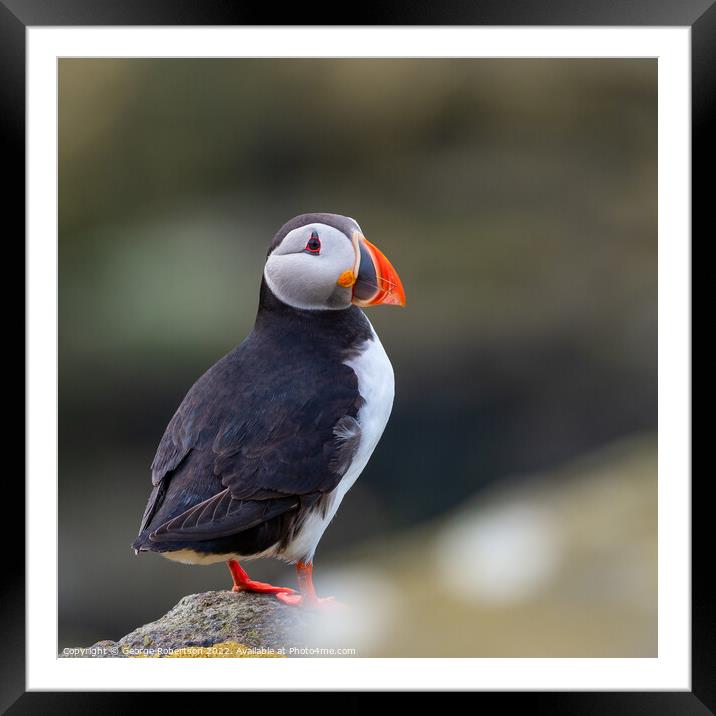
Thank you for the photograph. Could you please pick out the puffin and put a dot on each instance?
(265, 445)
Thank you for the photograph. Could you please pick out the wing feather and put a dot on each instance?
(220, 516)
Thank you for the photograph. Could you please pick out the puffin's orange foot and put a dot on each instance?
(308, 599)
(251, 586)
(242, 582)
(301, 600)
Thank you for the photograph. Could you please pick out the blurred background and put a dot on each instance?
(510, 508)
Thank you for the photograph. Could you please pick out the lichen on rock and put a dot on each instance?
(212, 624)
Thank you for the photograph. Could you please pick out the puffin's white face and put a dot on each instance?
(305, 268)
(318, 267)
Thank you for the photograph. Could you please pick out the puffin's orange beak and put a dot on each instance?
(376, 280)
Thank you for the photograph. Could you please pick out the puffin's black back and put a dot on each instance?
(254, 440)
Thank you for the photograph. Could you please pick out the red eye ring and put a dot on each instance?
(313, 245)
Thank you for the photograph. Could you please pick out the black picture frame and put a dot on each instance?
(699, 15)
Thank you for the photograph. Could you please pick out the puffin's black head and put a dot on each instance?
(323, 261)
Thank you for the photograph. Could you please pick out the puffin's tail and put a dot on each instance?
(142, 543)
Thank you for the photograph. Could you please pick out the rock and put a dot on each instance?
(223, 624)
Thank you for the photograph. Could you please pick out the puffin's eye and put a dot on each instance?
(313, 245)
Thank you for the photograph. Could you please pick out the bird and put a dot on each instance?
(267, 442)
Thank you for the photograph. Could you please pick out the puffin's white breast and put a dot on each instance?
(376, 385)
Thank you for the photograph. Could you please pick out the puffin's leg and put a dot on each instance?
(308, 597)
(242, 583)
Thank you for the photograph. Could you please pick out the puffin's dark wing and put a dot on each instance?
(296, 445)
(220, 516)
(261, 431)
